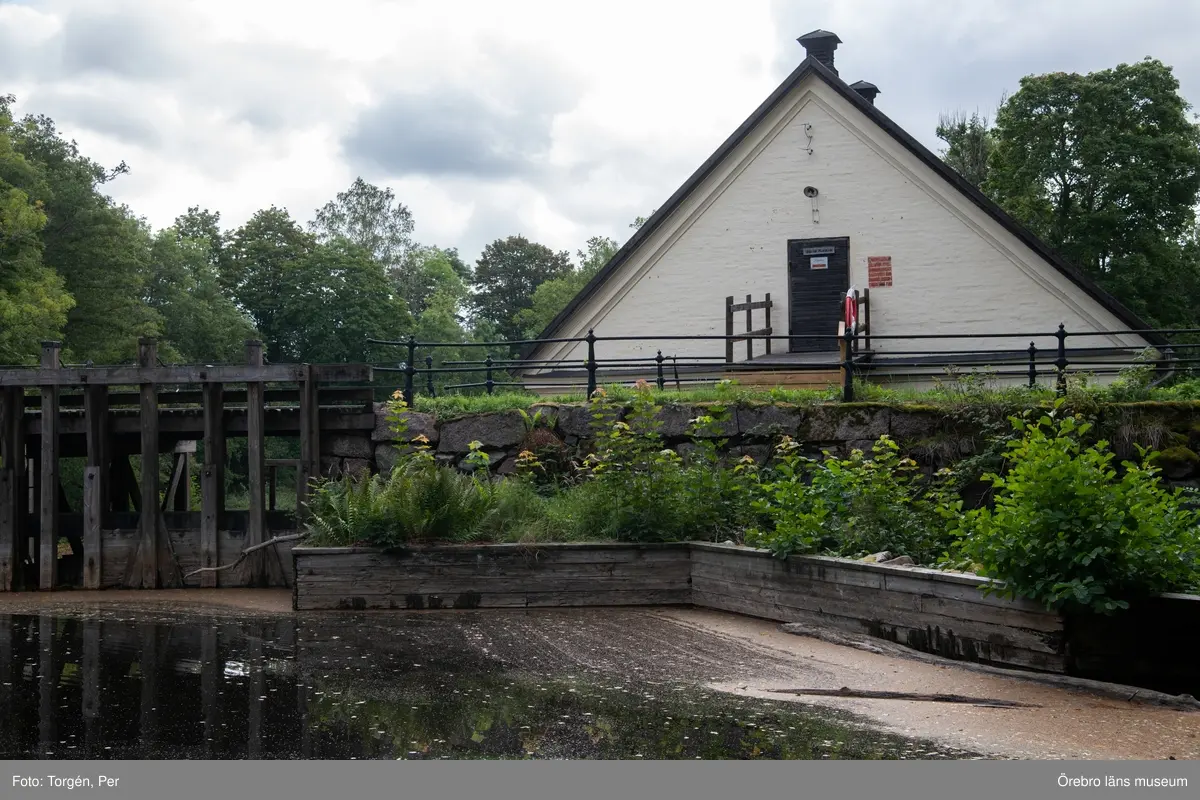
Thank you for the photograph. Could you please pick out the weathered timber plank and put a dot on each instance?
(310, 437)
(49, 499)
(145, 576)
(93, 541)
(789, 569)
(212, 482)
(255, 445)
(962, 648)
(95, 488)
(898, 614)
(500, 569)
(223, 373)
(542, 554)
(518, 583)
(352, 599)
(8, 532)
(969, 606)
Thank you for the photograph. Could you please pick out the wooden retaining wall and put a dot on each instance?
(928, 610)
(493, 576)
(935, 612)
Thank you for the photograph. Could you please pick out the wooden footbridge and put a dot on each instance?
(129, 532)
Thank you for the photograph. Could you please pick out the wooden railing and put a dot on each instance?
(749, 307)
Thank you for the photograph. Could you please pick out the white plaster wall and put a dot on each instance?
(955, 269)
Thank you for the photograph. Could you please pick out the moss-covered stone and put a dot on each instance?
(1178, 462)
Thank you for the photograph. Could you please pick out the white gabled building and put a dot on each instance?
(818, 192)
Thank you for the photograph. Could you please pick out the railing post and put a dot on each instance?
(769, 329)
(1032, 365)
(591, 361)
(429, 374)
(847, 364)
(749, 329)
(488, 382)
(729, 329)
(1061, 361)
(658, 360)
(410, 370)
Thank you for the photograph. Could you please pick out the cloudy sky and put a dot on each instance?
(556, 120)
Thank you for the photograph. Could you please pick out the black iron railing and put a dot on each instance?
(1177, 351)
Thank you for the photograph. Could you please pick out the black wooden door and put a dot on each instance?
(818, 278)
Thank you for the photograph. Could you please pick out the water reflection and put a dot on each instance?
(338, 687)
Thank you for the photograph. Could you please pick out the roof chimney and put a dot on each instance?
(867, 91)
(820, 45)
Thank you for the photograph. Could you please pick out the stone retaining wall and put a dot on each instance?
(932, 436)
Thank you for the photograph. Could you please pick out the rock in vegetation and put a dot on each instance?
(496, 430)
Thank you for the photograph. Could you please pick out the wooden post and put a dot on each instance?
(48, 550)
(95, 489)
(310, 437)
(770, 331)
(212, 481)
(47, 681)
(13, 493)
(91, 686)
(183, 499)
(148, 508)
(148, 667)
(729, 329)
(255, 425)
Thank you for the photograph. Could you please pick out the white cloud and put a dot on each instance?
(555, 120)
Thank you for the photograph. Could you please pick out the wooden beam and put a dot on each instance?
(729, 329)
(767, 324)
(310, 437)
(95, 488)
(255, 444)
(91, 687)
(49, 513)
(93, 514)
(212, 482)
(136, 376)
(148, 517)
(173, 484)
(13, 495)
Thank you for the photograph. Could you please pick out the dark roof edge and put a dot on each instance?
(923, 153)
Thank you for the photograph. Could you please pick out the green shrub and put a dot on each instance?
(1067, 530)
(851, 506)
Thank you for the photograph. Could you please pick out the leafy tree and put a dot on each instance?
(254, 272)
(506, 276)
(1105, 167)
(553, 296)
(33, 300)
(98, 248)
(203, 226)
(429, 271)
(332, 299)
(201, 324)
(369, 217)
(638, 222)
(969, 144)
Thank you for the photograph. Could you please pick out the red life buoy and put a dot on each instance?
(851, 312)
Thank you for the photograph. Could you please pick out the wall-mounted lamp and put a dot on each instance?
(808, 133)
(811, 193)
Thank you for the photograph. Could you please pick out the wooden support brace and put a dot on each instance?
(14, 497)
(310, 437)
(212, 482)
(95, 484)
(255, 443)
(148, 507)
(49, 499)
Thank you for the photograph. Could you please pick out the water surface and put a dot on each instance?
(187, 686)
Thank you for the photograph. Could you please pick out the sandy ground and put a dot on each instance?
(1066, 723)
